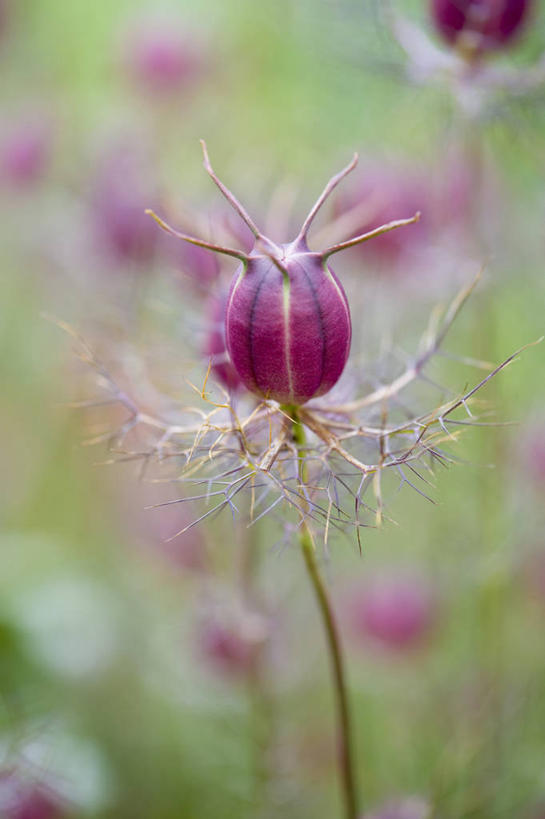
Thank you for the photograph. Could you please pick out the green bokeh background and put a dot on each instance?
(294, 88)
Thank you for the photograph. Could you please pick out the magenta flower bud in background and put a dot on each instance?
(226, 649)
(160, 59)
(478, 26)
(37, 804)
(214, 348)
(287, 322)
(238, 230)
(196, 263)
(396, 609)
(24, 151)
(382, 192)
(123, 190)
(229, 641)
(20, 799)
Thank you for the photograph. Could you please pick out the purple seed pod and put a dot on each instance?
(122, 190)
(478, 26)
(287, 324)
(24, 152)
(215, 348)
(161, 60)
(397, 610)
(288, 328)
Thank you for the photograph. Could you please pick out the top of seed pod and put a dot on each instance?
(476, 27)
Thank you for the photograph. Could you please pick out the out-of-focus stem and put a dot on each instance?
(260, 701)
(346, 755)
(261, 734)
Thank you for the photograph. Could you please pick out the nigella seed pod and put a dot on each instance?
(478, 26)
(287, 322)
(288, 325)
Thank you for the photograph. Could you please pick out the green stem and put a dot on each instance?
(346, 756)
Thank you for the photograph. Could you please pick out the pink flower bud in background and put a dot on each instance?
(381, 195)
(197, 264)
(410, 807)
(155, 529)
(237, 230)
(187, 551)
(37, 804)
(161, 59)
(395, 609)
(214, 348)
(21, 799)
(123, 190)
(24, 151)
(478, 26)
(230, 640)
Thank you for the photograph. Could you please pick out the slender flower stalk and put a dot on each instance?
(308, 550)
(346, 751)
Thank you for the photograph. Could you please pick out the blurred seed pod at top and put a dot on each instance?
(479, 26)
